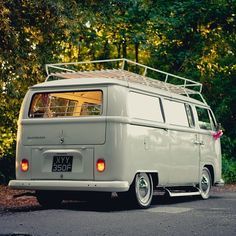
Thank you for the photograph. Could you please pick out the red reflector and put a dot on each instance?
(24, 165)
(101, 165)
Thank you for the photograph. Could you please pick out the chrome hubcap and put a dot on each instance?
(143, 188)
(205, 184)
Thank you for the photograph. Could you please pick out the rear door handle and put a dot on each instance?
(198, 143)
(201, 143)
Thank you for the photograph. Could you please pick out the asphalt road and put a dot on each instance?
(176, 216)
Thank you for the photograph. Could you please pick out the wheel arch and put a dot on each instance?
(154, 175)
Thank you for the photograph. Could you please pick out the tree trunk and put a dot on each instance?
(106, 50)
(119, 50)
(124, 48)
(136, 46)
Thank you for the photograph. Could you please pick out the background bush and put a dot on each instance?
(229, 170)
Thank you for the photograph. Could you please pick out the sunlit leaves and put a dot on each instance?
(192, 38)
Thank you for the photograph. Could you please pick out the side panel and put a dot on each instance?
(148, 150)
(210, 152)
(218, 162)
(148, 145)
(184, 158)
(133, 144)
(113, 151)
(133, 148)
(184, 150)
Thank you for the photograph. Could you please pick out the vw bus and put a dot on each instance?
(129, 130)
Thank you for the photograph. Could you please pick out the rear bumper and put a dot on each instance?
(100, 186)
(220, 183)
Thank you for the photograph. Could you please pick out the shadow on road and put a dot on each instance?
(114, 205)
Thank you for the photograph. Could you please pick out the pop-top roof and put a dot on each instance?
(128, 71)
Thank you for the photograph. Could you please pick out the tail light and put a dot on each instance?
(101, 165)
(24, 165)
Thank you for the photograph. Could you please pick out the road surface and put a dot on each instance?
(175, 216)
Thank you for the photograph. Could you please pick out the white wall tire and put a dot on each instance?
(143, 190)
(140, 193)
(205, 183)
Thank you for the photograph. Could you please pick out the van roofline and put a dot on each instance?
(79, 82)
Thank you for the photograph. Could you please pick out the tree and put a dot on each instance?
(197, 40)
(30, 36)
(193, 38)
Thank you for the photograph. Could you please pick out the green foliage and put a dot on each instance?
(7, 170)
(192, 38)
(229, 170)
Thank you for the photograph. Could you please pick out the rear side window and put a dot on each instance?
(204, 119)
(66, 104)
(175, 113)
(145, 107)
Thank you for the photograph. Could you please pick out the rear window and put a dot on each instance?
(66, 104)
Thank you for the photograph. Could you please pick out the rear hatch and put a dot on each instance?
(61, 131)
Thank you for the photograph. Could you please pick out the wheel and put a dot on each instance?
(205, 183)
(48, 199)
(141, 191)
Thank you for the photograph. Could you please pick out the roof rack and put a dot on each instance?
(126, 70)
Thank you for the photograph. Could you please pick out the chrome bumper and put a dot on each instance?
(100, 186)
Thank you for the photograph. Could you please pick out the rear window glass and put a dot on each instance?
(66, 104)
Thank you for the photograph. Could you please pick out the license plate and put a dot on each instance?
(62, 163)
